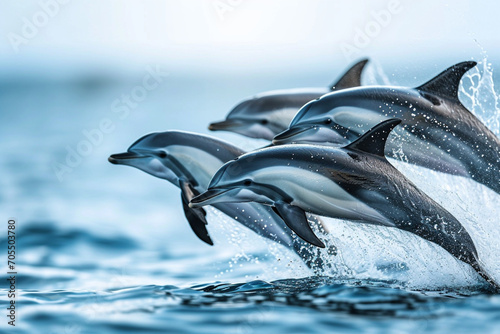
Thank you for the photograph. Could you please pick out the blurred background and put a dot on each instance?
(81, 80)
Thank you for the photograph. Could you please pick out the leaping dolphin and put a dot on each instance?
(188, 161)
(354, 182)
(269, 113)
(440, 133)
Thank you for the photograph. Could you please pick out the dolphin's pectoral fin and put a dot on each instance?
(446, 83)
(295, 218)
(197, 221)
(195, 216)
(351, 78)
(373, 141)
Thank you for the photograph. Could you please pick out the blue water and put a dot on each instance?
(106, 249)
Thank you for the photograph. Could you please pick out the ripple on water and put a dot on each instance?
(259, 305)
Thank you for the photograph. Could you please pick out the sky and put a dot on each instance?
(251, 35)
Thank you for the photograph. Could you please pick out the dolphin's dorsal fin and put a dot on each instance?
(373, 141)
(195, 216)
(351, 78)
(447, 82)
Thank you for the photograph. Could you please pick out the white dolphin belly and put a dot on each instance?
(319, 195)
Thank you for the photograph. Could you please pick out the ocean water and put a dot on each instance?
(106, 249)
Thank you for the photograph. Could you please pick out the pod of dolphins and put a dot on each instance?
(327, 157)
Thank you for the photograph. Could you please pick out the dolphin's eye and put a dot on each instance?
(328, 121)
(162, 154)
(264, 122)
(247, 182)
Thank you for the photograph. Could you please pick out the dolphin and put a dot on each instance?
(188, 161)
(269, 113)
(438, 131)
(354, 182)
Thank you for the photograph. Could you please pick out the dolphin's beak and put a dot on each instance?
(207, 198)
(227, 124)
(122, 158)
(287, 135)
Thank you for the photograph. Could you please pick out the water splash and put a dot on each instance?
(374, 75)
(245, 248)
(477, 93)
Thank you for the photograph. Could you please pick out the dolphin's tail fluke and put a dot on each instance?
(479, 268)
